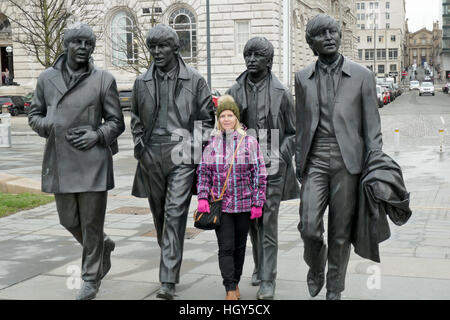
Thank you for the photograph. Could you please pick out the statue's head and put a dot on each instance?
(164, 45)
(323, 34)
(79, 42)
(258, 55)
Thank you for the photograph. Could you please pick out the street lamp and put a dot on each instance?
(9, 51)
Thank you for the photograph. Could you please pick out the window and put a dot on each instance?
(183, 22)
(360, 54)
(363, 16)
(358, 39)
(242, 35)
(424, 52)
(393, 38)
(414, 53)
(123, 48)
(369, 54)
(388, 25)
(376, 5)
(388, 5)
(393, 68)
(358, 6)
(369, 38)
(358, 16)
(388, 15)
(381, 68)
(363, 6)
(424, 41)
(381, 54)
(380, 38)
(371, 5)
(393, 54)
(363, 26)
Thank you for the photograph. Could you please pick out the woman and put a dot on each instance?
(245, 191)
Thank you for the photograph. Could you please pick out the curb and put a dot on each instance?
(16, 184)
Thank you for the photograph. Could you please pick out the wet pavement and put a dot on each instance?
(40, 260)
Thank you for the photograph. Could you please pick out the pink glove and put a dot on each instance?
(256, 212)
(203, 205)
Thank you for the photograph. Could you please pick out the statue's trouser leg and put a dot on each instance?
(170, 196)
(327, 182)
(268, 229)
(255, 238)
(83, 215)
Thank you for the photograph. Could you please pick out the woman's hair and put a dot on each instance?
(226, 102)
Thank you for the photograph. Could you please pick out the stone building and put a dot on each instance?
(232, 23)
(445, 44)
(420, 47)
(381, 35)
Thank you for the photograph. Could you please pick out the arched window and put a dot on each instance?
(123, 47)
(183, 21)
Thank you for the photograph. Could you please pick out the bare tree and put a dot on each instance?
(42, 22)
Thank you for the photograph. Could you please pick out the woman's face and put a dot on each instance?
(227, 120)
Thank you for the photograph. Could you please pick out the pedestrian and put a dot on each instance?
(168, 99)
(267, 110)
(245, 189)
(6, 76)
(338, 124)
(76, 108)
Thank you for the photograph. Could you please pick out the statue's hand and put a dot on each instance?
(82, 139)
(145, 161)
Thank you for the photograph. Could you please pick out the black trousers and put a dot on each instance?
(232, 240)
(326, 182)
(264, 231)
(83, 215)
(169, 186)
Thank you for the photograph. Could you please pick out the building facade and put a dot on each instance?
(232, 23)
(420, 47)
(445, 53)
(380, 32)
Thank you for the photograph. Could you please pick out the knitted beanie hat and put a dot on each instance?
(226, 102)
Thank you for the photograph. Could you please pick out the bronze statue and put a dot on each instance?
(167, 100)
(338, 124)
(267, 109)
(76, 108)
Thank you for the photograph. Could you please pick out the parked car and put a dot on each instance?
(398, 89)
(386, 95)
(125, 99)
(390, 89)
(445, 87)
(414, 85)
(380, 93)
(215, 96)
(15, 104)
(426, 88)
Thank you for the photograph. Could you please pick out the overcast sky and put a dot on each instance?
(422, 13)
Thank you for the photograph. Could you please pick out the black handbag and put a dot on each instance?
(211, 220)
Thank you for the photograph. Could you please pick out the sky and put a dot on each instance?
(421, 13)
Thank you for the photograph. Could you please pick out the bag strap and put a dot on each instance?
(229, 171)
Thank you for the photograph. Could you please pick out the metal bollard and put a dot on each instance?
(5, 130)
(396, 140)
(441, 139)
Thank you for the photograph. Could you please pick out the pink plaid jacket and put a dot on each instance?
(246, 185)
